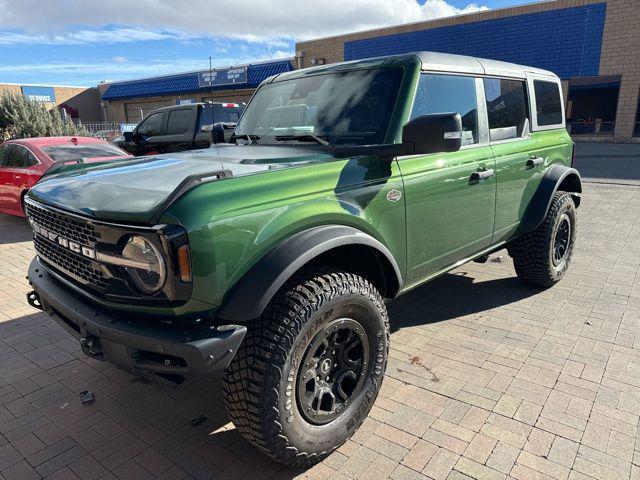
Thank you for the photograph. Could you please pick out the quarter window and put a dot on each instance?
(151, 126)
(548, 103)
(179, 121)
(449, 94)
(506, 108)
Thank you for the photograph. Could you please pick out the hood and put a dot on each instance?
(134, 190)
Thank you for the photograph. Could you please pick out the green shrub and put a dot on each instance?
(24, 118)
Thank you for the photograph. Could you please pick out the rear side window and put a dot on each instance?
(151, 126)
(506, 108)
(449, 94)
(179, 121)
(17, 156)
(4, 155)
(548, 103)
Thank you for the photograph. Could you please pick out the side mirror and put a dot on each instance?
(436, 133)
(128, 136)
(217, 133)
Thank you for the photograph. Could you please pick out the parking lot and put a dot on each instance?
(488, 378)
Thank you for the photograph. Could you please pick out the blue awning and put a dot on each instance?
(188, 82)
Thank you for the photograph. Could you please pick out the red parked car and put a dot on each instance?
(24, 161)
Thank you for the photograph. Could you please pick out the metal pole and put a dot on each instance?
(210, 78)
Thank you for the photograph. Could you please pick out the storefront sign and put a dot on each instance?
(227, 76)
(185, 101)
(39, 94)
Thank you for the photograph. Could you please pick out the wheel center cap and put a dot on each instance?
(325, 366)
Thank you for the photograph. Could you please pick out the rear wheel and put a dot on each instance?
(542, 257)
(310, 368)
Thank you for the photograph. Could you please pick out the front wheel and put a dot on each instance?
(310, 368)
(542, 257)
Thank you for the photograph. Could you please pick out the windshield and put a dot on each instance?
(71, 153)
(348, 108)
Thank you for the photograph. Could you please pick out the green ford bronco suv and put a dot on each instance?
(269, 259)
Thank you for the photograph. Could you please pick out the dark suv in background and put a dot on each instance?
(178, 128)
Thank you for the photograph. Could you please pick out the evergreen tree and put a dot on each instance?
(24, 118)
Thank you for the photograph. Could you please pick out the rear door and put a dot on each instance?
(179, 131)
(5, 175)
(19, 164)
(450, 213)
(517, 166)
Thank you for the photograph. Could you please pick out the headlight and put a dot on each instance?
(149, 272)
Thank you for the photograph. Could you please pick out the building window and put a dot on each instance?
(449, 94)
(592, 105)
(506, 108)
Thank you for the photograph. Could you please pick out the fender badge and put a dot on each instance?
(394, 195)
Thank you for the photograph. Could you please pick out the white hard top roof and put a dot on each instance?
(448, 62)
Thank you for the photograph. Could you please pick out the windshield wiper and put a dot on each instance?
(307, 137)
(252, 139)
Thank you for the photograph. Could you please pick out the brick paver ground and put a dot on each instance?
(487, 378)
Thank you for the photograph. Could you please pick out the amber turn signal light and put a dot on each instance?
(184, 263)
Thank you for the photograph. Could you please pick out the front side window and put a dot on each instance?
(449, 94)
(179, 121)
(347, 108)
(506, 108)
(151, 126)
(548, 103)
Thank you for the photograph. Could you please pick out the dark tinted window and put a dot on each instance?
(449, 94)
(206, 117)
(548, 103)
(352, 107)
(507, 108)
(17, 156)
(69, 153)
(4, 155)
(232, 116)
(151, 126)
(179, 121)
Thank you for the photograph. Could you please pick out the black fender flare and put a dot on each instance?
(554, 178)
(251, 294)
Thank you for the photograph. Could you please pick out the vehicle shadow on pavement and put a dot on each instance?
(14, 229)
(132, 424)
(455, 295)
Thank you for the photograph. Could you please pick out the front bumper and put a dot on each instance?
(136, 345)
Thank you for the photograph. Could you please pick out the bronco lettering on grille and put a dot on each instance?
(63, 242)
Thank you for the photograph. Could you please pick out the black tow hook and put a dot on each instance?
(33, 299)
(91, 347)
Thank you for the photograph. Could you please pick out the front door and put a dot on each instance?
(148, 134)
(450, 197)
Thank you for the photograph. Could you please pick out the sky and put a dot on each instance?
(84, 42)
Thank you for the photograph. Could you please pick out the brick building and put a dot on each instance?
(592, 45)
(128, 101)
(78, 101)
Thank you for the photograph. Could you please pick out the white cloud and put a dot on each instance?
(55, 21)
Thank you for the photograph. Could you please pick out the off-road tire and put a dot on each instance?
(260, 384)
(533, 252)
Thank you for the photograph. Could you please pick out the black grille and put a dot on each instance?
(70, 262)
(69, 227)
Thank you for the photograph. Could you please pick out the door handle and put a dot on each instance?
(481, 175)
(535, 161)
